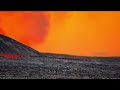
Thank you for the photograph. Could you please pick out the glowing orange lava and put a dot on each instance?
(83, 33)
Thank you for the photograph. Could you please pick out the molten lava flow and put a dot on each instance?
(10, 56)
(68, 32)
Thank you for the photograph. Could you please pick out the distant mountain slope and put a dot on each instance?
(9, 46)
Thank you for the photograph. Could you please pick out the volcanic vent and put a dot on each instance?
(10, 48)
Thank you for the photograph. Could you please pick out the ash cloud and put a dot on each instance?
(26, 27)
(36, 26)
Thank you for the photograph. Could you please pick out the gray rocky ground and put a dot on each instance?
(53, 67)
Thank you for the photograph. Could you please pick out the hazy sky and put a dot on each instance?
(91, 33)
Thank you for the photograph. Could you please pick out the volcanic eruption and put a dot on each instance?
(75, 33)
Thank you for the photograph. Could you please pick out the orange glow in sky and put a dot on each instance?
(82, 33)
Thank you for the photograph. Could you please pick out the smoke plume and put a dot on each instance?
(27, 27)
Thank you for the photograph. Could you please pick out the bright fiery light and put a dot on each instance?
(83, 33)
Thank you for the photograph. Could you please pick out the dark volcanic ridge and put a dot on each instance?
(10, 48)
(18, 61)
